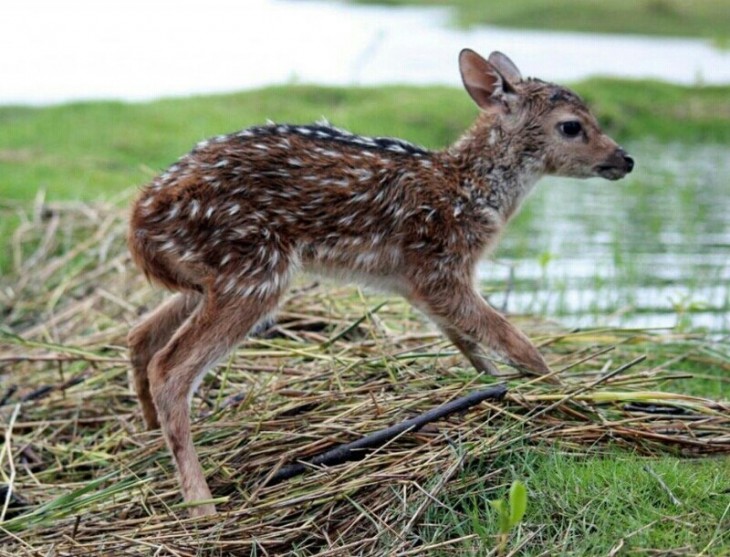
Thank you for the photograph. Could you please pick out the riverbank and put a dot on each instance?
(700, 18)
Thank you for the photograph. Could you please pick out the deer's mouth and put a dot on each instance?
(611, 172)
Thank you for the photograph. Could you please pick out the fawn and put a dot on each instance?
(232, 221)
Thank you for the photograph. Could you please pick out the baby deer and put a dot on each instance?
(230, 223)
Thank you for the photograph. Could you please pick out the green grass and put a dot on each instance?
(583, 504)
(87, 150)
(631, 110)
(92, 150)
(695, 18)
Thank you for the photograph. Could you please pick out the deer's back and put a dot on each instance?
(254, 200)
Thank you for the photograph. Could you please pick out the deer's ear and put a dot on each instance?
(505, 66)
(484, 82)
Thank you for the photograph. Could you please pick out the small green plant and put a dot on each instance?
(684, 306)
(510, 512)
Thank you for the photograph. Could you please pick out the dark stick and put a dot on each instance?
(356, 449)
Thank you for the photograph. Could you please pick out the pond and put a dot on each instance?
(136, 50)
(652, 250)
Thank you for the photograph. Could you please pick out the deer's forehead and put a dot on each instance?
(552, 95)
(560, 95)
(561, 103)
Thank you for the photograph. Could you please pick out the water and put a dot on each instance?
(134, 50)
(643, 251)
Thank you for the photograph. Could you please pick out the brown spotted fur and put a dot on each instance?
(231, 222)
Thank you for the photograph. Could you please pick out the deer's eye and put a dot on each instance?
(572, 128)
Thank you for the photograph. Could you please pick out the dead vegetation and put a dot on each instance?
(81, 476)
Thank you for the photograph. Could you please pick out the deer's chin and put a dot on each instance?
(610, 172)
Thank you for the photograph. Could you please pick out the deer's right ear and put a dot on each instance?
(484, 82)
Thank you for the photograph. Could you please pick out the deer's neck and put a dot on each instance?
(504, 164)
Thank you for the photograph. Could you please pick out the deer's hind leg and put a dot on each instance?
(212, 331)
(148, 337)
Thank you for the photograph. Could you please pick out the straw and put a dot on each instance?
(83, 477)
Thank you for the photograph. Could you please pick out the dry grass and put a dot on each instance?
(83, 477)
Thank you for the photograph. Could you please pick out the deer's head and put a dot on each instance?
(545, 121)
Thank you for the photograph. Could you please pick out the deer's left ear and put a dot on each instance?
(485, 80)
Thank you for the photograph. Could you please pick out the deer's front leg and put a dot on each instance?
(469, 322)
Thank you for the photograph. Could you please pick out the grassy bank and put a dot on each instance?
(699, 18)
(91, 150)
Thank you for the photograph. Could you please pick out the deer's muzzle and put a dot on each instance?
(615, 167)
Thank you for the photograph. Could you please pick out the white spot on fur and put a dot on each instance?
(328, 152)
(230, 285)
(169, 245)
(362, 174)
(340, 183)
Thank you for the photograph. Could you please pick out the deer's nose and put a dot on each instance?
(628, 160)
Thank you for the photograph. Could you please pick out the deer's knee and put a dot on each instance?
(135, 340)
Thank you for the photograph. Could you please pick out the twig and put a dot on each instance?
(9, 392)
(431, 496)
(356, 449)
(508, 289)
(584, 388)
(665, 487)
(7, 449)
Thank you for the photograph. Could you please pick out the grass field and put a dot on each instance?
(699, 18)
(612, 465)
